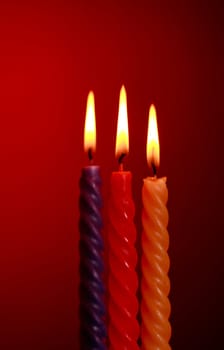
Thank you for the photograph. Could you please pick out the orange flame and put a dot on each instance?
(152, 146)
(90, 125)
(122, 140)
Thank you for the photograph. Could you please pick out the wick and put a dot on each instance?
(121, 167)
(90, 155)
(120, 161)
(154, 170)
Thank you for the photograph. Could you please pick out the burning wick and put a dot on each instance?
(90, 155)
(120, 161)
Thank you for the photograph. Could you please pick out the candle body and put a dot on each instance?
(92, 290)
(155, 285)
(123, 282)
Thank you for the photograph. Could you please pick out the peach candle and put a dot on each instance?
(155, 284)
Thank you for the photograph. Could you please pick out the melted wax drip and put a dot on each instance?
(92, 307)
(155, 286)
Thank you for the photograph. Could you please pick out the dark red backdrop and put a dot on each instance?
(51, 54)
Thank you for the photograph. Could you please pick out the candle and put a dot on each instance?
(155, 284)
(92, 308)
(123, 282)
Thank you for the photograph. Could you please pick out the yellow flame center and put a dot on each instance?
(122, 140)
(152, 147)
(90, 125)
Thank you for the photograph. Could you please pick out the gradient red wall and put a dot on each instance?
(51, 55)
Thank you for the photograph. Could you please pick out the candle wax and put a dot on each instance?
(123, 282)
(92, 290)
(155, 285)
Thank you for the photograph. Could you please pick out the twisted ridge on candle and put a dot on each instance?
(123, 304)
(155, 285)
(92, 303)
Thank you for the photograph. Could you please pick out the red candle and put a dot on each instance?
(155, 285)
(123, 282)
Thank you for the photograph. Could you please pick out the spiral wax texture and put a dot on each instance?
(123, 282)
(155, 285)
(92, 289)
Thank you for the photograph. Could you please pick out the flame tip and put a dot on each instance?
(90, 95)
(123, 92)
(152, 108)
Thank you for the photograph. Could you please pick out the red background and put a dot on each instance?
(51, 55)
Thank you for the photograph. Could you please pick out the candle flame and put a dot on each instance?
(90, 125)
(152, 147)
(122, 140)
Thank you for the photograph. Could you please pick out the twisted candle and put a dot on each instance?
(123, 304)
(155, 286)
(92, 308)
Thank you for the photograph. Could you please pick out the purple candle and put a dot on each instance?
(92, 290)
